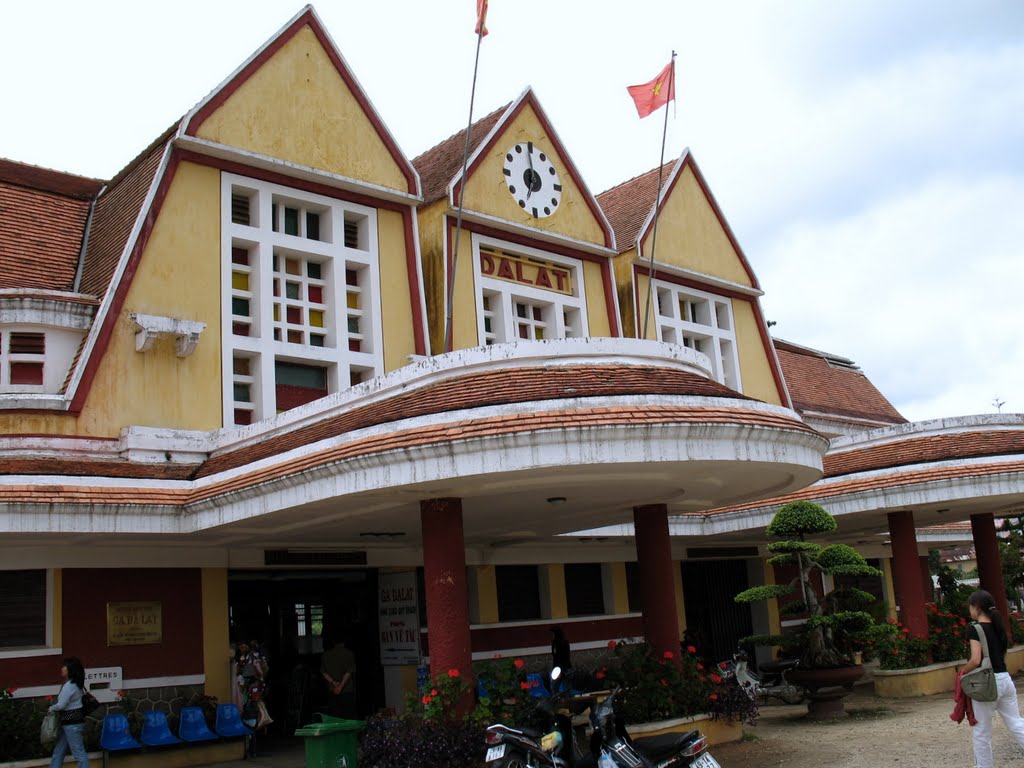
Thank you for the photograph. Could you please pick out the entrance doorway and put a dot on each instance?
(715, 623)
(295, 616)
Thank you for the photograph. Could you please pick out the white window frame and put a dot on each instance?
(719, 333)
(506, 293)
(7, 358)
(335, 258)
(48, 648)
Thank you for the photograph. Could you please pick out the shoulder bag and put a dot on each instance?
(980, 684)
(89, 702)
(48, 730)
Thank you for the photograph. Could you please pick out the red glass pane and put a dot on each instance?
(240, 329)
(295, 315)
(242, 417)
(351, 277)
(354, 345)
(26, 373)
(316, 294)
(239, 255)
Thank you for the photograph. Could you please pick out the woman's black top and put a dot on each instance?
(996, 644)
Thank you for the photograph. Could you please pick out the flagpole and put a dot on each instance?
(657, 200)
(462, 191)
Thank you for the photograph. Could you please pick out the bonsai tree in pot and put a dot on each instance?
(836, 622)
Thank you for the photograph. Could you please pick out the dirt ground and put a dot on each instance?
(909, 733)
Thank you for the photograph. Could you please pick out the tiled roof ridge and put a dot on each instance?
(32, 176)
(462, 131)
(800, 349)
(141, 157)
(669, 165)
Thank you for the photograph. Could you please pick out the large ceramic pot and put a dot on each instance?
(826, 688)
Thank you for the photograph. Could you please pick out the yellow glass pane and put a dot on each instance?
(316, 318)
(240, 281)
(538, 333)
(291, 266)
(277, 313)
(353, 300)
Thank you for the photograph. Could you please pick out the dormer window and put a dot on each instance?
(22, 355)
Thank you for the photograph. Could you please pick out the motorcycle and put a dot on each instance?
(552, 746)
(771, 682)
(612, 747)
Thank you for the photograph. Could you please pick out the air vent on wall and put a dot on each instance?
(311, 557)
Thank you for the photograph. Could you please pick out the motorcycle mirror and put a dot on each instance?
(556, 673)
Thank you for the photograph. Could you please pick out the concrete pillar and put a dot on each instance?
(907, 571)
(990, 566)
(447, 594)
(654, 561)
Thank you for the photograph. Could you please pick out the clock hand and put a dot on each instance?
(529, 186)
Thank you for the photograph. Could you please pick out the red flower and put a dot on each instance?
(11, 690)
(50, 698)
(664, 682)
(121, 693)
(699, 665)
(599, 675)
(668, 655)
(433, 692)
(453, 673)
(938, 631)
(963, 622)
(612, 644)
(716, 679)
(906, 631)
(690, 649)
(723, 664)
(426, 699)
(525, 686)
(892, 621)
(535, 684)
(519, 663)
(714, 697)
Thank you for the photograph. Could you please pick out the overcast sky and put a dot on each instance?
(869, 155)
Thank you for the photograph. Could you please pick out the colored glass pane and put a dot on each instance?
(295, 315)
(317, 340)
(277, 313)
(355, 345)
(240, 307)
(291, 266)
(291, 221)
(240, 281)
(294, 337)
(291, 290)
(352, 299)
(243, 416)
(316, 294)
(313, 270)
(242, 393)
(240, 329)
(351, 277)
(316, 318)
(241, 366)
(353, 324)
(240, 256)
(313, 226)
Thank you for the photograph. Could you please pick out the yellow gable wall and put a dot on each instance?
(178, 276)
(296, 107)
(397, 319)
(487, 192)
(690, 235)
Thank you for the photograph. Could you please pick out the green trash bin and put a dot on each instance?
(331, 743)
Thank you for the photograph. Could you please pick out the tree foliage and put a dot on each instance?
(800, 518)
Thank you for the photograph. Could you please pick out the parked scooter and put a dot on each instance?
(611, 746)
(771, 682)
(551, 746)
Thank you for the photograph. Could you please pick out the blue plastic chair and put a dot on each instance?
(537, 688)
(229, 721)
(116, 734)
(193, 725)
(155, 730)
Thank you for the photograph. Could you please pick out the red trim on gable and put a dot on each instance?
(415, 296)
(762, 326)
(609, 298)
(689, 161)
(482, 151)
(113, 314)
(307, 19)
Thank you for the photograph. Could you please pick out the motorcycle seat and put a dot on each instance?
(533, 733)
(658, 747)
(774, 667)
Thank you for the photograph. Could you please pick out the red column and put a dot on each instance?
(657, 578)
(906, 568)
(990, 566)
(447, 595)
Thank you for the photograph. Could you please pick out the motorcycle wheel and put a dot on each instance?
(792, 694)
(514, 761)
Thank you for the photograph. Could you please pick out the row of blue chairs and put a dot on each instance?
(156, 732)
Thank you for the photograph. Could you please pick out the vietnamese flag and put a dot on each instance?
(657, 93)
(481, 18)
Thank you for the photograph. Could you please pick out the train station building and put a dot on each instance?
(231, 407)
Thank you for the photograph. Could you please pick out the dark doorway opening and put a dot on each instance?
(715, 623)
(295, 616)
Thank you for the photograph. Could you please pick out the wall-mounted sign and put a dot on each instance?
(517, 269)
(104, 683)
(137, 623)
(399, 618)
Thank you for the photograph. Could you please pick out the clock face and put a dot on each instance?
(532, 180)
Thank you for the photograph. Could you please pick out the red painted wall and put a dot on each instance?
(86, 592)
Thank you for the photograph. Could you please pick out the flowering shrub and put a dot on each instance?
(946, 639)
(19, 727)
(896, 648)
(659, 688)
(504, 693)
(441, 699)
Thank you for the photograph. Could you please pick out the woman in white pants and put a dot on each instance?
(983, 610)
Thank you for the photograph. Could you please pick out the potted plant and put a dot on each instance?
(836, 624)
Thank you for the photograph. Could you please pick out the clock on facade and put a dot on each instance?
(532, 179)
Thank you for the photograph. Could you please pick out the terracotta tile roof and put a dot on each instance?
(42, 221)
(583, 418)
(484, 389)
(116, 211)
(920, 450)
(832, 385)
(439, 165)
(893, 480)
(95, 468)
(628, 205)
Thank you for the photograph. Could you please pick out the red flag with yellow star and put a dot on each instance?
(657, 93)
(481, 18)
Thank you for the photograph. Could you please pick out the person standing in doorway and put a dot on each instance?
(338, 669)
(983, 611)
(71, 715)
